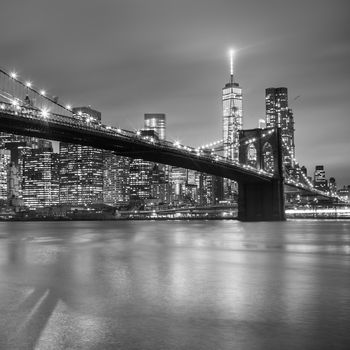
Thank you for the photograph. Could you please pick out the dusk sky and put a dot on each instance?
(127, 58)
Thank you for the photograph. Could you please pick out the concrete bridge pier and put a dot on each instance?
(261, 201)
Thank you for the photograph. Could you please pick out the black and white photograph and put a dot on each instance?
(174, 175)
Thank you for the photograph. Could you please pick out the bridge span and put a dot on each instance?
(33, 122)
(261, 188)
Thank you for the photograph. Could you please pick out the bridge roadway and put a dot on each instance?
(33, 122)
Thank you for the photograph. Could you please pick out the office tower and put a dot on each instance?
(332, 186)
(178, 180)
(55, 179)
(156, 122)
(37, 176)
(160, 183)
(81, 168)
(232, 115)
(140, 179)
(232, 110)
(205, 189)
(279, 115)
(147, 179)
(320, 182)
(18, 147)
(5, 159)
(344, 193)
(116, 188)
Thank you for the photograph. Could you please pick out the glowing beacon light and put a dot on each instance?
(29, 84)
(69, 107)
(13, 75)
(232, 52)
(42, 92)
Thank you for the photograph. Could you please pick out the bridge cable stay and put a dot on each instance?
(14, 91)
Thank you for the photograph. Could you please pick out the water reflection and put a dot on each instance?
(197, 285)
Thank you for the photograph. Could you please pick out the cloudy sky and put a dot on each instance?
(130, 57)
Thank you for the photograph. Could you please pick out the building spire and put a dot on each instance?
(231, 65)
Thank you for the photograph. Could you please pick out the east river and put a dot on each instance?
(175, 285)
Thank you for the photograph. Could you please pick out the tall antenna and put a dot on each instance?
(231, 65)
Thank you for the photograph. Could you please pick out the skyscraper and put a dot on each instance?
(81, 169)
(5, 158)
(156, 122)
(320, 181)
(232, 110)
(38, 191)
(278, 114)
(150, 180)
(116, 188)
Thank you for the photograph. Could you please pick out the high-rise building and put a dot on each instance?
(116, 187)
(278, 114)
(140, 177)
(81, 168)
(232, 110)
(18, 146)
(332, 186)
(147, 179)
(38, 191)
(156, 122)
(5, 159)
(320, 182)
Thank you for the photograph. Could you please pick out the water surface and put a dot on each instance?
(175, 285)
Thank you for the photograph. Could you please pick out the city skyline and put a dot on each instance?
(128, 60)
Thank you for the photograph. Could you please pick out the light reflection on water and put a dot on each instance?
(175, 285)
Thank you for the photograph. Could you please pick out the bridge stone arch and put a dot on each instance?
(261, 201)
(264, 140)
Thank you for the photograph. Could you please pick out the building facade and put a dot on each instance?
(81, 168)
(232, 111)
(278, 114)
(116, 179)
(39, 187)
(5, 160)
(320, 181)
(156, 122)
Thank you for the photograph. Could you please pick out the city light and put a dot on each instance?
(232, 52)
(69, 107)
(44, 112)
(29, 84)
(42, 92)
(13, 75)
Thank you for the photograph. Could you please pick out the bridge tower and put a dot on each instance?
(262, 201)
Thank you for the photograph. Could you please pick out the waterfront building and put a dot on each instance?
(332, 186)
(81, 167)
(278, 114)
(55, 179)
(320, 182)
(18, 147)
(140, 176)
(38, 191)
(116, 184)
(178, 180)
(5, 160)
(344, 193)
(150, 180)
